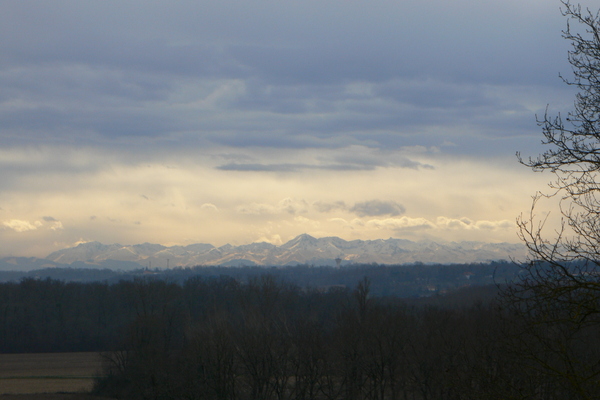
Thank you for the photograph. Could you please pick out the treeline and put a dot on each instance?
(219, 338)
(54, 316)
(270, 340)
(48, 315)
(416, 280)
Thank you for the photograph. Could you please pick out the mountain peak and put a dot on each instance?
(300, 250)
(304, 239)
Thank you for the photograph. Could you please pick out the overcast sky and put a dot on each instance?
(241, 121)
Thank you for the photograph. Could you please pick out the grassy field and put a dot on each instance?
(28, 374)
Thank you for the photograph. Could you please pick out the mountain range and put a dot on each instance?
(303, 249)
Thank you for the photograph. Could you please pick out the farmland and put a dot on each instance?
(48, 375)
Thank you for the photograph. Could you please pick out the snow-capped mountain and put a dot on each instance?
(303, 249)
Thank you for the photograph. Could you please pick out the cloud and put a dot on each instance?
(492, 225)
(292, 167)
(441, 223)
(285, 206)
(468, 224)
(339, 220)
(273, 239)
(78, 242)
(303, 221)
(401, 224)
(242, 104)
(354, 165)
(325, 207)
(292, 206)
(450, 223)
(55, 224)
(209, 207)
(257, 209)
(22, 226)
(369, 159)
(373, 208)
(242, 77)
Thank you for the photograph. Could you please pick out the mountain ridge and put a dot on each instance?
(303, 249)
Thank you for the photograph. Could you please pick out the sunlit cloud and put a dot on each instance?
(209, 207)
(273, 239)
(400, 224)
(341, 221)
(22, 226)
(452, 223)
(466, 223)
(54, 223)
(441, 223)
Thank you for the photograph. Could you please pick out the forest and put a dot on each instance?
(219, 338)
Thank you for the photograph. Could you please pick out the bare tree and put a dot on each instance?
(573, 155)
(558, 297)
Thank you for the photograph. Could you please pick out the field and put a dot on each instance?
(48, 376)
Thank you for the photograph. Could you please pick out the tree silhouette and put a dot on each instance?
(557, 300)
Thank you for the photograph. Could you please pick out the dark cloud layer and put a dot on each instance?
(325, 207)
(344, 163)
(292, 167)
(272, 74)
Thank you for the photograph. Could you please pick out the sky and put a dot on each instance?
(237, 121)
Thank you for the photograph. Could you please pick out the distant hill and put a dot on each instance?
(26, 263)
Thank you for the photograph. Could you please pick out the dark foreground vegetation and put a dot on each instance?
(269, 340)
(71, 310)
(219, 338)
